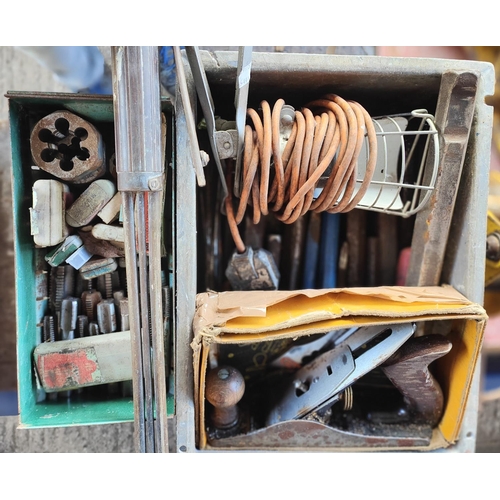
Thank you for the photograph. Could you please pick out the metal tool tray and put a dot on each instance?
(25, 108)
(384, 85)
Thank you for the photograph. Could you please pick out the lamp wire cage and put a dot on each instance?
(392, 167)
(407, 164)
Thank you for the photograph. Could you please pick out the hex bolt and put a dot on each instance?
(154, 184)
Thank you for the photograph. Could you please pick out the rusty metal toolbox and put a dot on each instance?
(446, 238)
(37, 280)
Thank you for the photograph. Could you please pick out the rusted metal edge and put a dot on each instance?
(306, 434)
(454, 114)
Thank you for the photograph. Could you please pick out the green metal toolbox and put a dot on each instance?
(35, 288)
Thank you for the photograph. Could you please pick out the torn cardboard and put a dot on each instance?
(238, 318)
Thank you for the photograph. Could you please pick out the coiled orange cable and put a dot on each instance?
(326, 129)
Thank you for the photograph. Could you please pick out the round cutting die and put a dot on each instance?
(68, 147)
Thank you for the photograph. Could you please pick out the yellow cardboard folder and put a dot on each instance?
(257, 317)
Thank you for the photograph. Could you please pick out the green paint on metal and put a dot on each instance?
(170, 405)
(60, 253)
(34, 411)
(97, 108)
(25, 275)
(97, 111)
(62, 414)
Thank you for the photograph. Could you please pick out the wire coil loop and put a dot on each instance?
(283, 182)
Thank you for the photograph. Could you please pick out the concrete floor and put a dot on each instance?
(19, 72)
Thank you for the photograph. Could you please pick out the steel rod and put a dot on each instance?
(124, 163)
(138, 137)
(157, 328)
(140, 210)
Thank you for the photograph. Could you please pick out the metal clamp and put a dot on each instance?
(225, 144)
(140, 181)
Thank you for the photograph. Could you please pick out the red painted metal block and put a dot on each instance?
(69, 369)
(83, 362)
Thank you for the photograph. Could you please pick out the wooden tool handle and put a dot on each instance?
(225, 387)
(408, 370)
